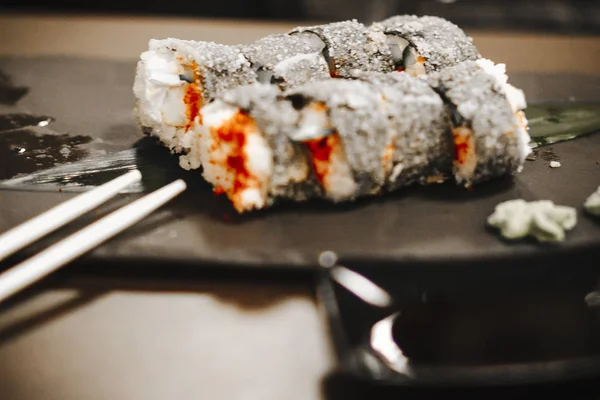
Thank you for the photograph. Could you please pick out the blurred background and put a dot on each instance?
(556, 16)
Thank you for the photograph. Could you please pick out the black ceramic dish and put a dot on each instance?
(504, 323)
(441, 223)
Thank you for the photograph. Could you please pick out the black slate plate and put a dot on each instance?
(505, 323)
(93, 98)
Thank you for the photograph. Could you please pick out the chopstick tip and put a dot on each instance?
(136, 173)
(180, 183)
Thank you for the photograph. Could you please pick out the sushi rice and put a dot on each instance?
(175, 78)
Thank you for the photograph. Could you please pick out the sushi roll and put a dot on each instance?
(246, 150)
(421, 45)
(348, 46)
(300, 69)
(420, 147)
(175, 78)
(489, 127)
(285, 60)
(344, 130)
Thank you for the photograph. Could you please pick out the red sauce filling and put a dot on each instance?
(193, 98)
(233, 132)
(332, 70)
(387, 156)
(321, 151)
(462, 144)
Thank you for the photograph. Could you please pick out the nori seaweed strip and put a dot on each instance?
(350, 46)
(285, 60)
(438, 42)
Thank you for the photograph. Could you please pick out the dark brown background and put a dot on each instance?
(552, 16)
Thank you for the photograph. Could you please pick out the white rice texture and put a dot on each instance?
(174, 79)
(237, 159)
(516, 98)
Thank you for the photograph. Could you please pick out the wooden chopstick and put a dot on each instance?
(40, 265)
(28, 232)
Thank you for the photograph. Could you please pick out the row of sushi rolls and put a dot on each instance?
(336, 111)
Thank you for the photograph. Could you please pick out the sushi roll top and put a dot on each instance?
(348, 46)
(422, 45)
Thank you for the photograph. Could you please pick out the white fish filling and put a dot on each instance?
(312, 39)
(517, 101)
(160, 88)
(213, 116)
(405, 56)
(414, 64)
(334, 174)
(313, 124)
(263, 75)
(246, 192)
(397, 46)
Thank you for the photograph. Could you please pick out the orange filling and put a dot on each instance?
(322, 151)
(521, 116)
(463, 145)
(233, 133)
(318, 107)
(420, 60)
(193, 98)
(332, 70)
(440, 178)
(388, 154)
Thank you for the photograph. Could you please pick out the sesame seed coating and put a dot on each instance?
(350, 45)
(442, 43)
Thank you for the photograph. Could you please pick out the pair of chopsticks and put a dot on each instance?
(40, 265)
